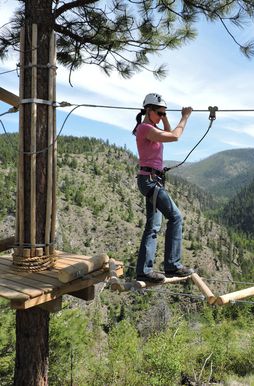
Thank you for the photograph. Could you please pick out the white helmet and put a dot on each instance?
(154, 99)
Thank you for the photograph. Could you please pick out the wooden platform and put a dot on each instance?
(25, 290)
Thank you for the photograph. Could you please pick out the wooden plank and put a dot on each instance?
(69, 261)
(49, 278)
(6, 261)
(9, 97)
(45, 287)
(6, 267)
(21, 287)
(43, 279)
(67, 255)
(39, 276)
(10, 294)
(17, 304)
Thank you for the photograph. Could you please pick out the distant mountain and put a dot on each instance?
(223, 174)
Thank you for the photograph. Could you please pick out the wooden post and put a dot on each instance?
(33, 146)
(54, 166)
(20, 178)
(50, 144)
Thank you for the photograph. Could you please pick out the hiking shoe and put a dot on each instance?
(152, 277)
(180, 272)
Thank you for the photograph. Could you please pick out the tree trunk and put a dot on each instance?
(31, 367)
(32, 325)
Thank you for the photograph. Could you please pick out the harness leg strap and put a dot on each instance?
(155, 195)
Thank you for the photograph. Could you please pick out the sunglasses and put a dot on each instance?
(161, 113)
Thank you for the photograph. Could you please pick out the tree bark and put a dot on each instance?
(32, 352)
(32, 325)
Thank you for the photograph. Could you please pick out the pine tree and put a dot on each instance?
(122, 35)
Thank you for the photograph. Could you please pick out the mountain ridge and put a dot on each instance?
(222, 174)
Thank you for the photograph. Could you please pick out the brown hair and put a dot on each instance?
(138, 120)
(143, 112)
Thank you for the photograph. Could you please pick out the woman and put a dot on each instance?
(150, 140)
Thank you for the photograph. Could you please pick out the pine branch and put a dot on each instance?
(69, 6)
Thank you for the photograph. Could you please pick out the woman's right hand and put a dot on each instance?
(186, 112)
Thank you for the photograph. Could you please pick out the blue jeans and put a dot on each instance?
(173, 238)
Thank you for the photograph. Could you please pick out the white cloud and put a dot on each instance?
(238, 144)
(240, 126)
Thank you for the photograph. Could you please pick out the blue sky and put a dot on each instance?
(208, 71)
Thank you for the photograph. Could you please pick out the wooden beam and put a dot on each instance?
(237, 295)
(9, 97)
(72, 272)
(52, 306)
(211, 298)
(7, 243)
(87, 294)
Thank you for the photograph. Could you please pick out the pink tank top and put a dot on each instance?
(150, 153)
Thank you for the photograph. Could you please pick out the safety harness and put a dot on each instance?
(157, 176)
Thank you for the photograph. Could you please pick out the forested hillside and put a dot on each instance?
(101, 210)
(222, 174)
(163, 336)
(238, 213)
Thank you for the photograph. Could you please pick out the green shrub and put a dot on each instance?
(7, 344)
(165, 356)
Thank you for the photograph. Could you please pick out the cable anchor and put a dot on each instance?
(212, 110)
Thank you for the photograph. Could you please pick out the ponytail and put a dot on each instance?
(138, 120)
